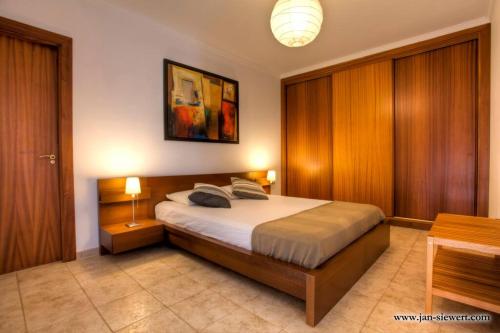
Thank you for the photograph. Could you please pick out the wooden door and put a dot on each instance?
(435, 137)
(363, 135)
(30, 229)
(309, 139)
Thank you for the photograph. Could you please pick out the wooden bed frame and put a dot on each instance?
(320, 288)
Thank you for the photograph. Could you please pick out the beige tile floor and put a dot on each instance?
(164, 290)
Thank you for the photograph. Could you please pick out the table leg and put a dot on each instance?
(430, 261)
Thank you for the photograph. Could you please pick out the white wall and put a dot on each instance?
(495, 113)
(117, 107)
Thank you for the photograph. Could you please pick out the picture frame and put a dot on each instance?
(199, 106)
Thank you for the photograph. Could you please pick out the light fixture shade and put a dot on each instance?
(296, 23)
(271, 176)
(132, 185)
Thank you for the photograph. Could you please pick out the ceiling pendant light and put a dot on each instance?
(296, 23)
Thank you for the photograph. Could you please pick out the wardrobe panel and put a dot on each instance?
(435, 137)
(363, 135)
(309, 139)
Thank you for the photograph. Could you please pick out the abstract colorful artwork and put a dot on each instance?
(199, 106)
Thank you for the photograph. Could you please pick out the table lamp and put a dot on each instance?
(133, 187)
(271, 176)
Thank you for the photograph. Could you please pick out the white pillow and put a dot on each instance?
(181, 197)
(229, 189)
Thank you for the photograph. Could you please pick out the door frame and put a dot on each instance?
(64, 47)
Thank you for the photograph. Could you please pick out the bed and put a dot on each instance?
(305, 232)
(224, 236)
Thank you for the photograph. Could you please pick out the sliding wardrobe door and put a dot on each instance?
(363, 135)
(309, 139)
(435, 138)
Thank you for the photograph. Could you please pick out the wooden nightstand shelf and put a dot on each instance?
(116, 238)
(467, 277)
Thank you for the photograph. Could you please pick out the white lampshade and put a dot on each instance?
(132, 185)
(271, 176)
(296, 23)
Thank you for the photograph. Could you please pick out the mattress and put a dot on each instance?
(236, 224)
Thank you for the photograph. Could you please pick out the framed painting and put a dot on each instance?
(199, 106)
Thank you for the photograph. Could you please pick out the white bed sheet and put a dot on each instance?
(233, 225)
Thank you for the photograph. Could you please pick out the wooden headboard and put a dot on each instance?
(115, 206)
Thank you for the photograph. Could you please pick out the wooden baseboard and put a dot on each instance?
(410, 223)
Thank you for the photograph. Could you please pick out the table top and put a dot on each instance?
(468, 232)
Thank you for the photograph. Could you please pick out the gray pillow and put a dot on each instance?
(208, 195)
(246, 189)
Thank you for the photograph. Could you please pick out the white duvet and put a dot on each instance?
(233, 225)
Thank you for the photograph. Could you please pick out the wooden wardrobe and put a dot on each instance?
(406, 130)
(308, 135)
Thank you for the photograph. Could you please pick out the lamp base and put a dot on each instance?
(132, 224)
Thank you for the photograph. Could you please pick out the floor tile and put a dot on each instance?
(151, 273)
(184, 262)
(138, 257)
(110, 287)
(43, 312)
(176, 289)
(239, 290)
(11, 312)
(405, 296)
(33, 293)
(12, 321)
(276, 307)
(89, 321)
(332, 323)
(411, 275)
(9, 299)
(40, 275)
(8, 275)
(372, 285)
(382, 319)
(163, 321)
(393, 256)
(209, 276)
(421, 242)
(369, 330)
(8, 282)
(242, 321)
(355, 306)
(92, 267)
(129, 309)
(203, 309)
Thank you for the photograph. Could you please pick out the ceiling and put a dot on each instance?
(241, 27)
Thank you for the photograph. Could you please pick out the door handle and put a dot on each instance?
(51, 157)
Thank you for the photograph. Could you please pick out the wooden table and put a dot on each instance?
(462, 276)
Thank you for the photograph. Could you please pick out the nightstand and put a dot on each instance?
(266, 185)
(116, 238)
